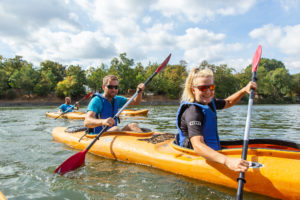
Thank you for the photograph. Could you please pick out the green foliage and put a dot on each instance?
(275, 84)
(95, 77)
(24, 78)
(74, 83)
(296, 84)
(122, 69)
(54, 71)
(174, 76)
(226, 82)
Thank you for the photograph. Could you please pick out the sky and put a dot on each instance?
(92, 32)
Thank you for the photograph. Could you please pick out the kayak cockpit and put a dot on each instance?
(262, 144)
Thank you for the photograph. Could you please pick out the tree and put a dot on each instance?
(122, 69)
(281, 83)
(226, 82)
(24, 78)
(95, 77)
(53, 72)
(174, 76)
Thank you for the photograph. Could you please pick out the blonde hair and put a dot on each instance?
(187, 94)
(108, 78)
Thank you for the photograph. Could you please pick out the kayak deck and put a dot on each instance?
(69, 115)
(131, 112)
(278, 176)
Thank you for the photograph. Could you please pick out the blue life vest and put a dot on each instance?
(209, 126)
(109, 109)
(65, 108)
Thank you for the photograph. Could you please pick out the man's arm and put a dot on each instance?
(90, 120)
(137, 100)
(76, 106)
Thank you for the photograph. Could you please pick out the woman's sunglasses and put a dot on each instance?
(204, 88)
(112, 87)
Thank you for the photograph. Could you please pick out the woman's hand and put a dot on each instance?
(236, 164)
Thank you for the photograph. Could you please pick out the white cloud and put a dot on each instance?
(285, 38)
(197, 10)
(289, 4)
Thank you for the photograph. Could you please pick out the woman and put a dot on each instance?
(197, 118)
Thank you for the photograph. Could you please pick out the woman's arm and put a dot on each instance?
(236, 97)
(235, 164)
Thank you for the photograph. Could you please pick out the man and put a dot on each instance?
(103, 107)
(67, 107)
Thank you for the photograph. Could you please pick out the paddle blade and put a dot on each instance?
(88, 95)
(163, 64)
(71, 163)
(256, 58)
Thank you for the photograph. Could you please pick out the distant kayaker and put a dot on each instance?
(197, 118)
(67, 107)
(103, 107)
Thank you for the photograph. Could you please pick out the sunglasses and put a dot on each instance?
(204, 88)
(112, 87)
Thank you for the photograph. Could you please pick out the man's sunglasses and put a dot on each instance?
(112, 87)
(204, 88)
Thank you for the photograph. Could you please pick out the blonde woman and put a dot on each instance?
(197, 118)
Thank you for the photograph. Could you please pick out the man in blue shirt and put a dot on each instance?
(67, 107)
(103, 107)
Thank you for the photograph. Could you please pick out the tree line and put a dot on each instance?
(19, 77)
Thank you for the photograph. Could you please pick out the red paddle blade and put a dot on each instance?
(256, 58)
(71, 163)
(163, 64)
(88, 95)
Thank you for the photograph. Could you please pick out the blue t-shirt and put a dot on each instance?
(96, 104)
(66, 107)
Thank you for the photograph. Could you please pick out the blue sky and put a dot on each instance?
(89, 33)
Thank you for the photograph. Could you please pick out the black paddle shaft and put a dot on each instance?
(241, 178)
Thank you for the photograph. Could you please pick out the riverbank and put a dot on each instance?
(54, 101)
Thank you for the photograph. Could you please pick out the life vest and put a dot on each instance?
(109, 109)
(66, 108)
(209, 126)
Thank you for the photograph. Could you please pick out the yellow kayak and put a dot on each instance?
(2, 197)
(129, 112)
(69, 115)
(275, 170)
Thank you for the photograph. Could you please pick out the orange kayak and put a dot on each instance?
(130, 112)
(69, 115)
(2, 197)
(275, 170)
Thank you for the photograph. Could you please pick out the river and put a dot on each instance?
(29, 156)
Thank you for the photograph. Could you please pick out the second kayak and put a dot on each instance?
(275, 170)
(130, 112)
(69, 115)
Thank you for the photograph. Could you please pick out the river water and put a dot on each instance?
(29, 156)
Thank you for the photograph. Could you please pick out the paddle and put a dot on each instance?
(241, 179)
(84, 98)
(77, 159)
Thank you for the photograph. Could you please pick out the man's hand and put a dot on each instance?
(108, 122)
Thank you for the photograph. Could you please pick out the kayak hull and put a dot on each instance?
(278, 177)
(2, 197)
(129, 112)
(69, 115)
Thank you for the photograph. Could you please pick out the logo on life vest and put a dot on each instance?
(192, 123)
